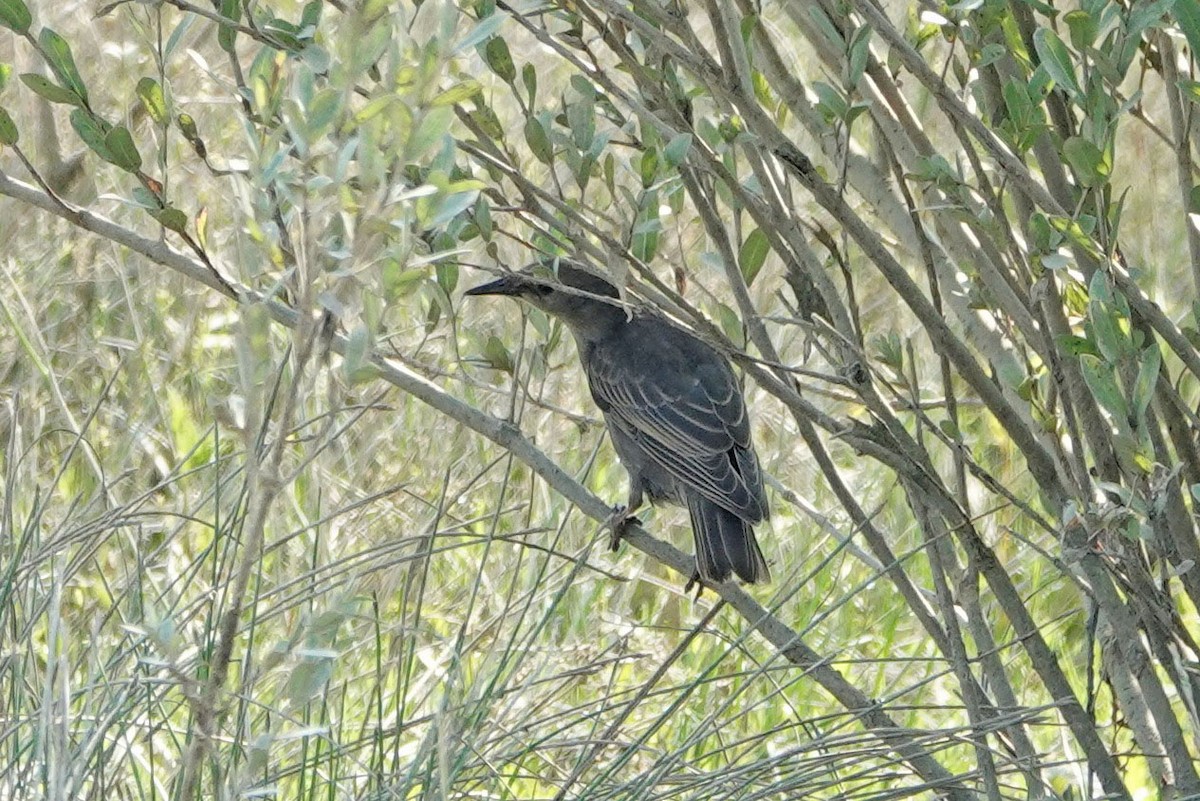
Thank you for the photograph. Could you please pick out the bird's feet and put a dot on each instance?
(694, 581)
(620, 519)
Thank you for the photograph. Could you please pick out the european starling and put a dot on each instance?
(674, 410)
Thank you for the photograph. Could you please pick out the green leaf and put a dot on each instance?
(677, 149)
(457, 93)
(581, 117)
(762, 89)
(227, 33)
(857, 58)
(1106, 330)
(15, 16)
(499, 59)
(644, 242)
(1083, 28)
(1076, 345)
(8, 129)
(1087, 161)
(49, 90)
(1189, 89)
(1145, 15)
(649, 167)
(482, 217)
(529, 76)
(1098, 287)
(430, 130)
(830, 102)
(1147, 377)
(731, 324)
(171, 218)
(1018, 103)
(1187, 14)
(990, 54)
(58, 57)
(752, 254)
(187, 126)
(121, 149)
(310, 16)
(202, 227)
(92, 131)
(151, 95)
(5, 74)
(485, 29)
(146, 199)
(497, 355)
(539, 142)
(1098, 375)
(1056, 59)
(447, 276)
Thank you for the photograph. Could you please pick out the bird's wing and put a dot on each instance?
(684, 408)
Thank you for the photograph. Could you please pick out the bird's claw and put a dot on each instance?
(617, 523)
(694, 581)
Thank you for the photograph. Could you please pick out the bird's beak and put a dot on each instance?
(504, 285)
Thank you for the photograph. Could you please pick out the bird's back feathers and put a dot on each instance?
(678, 401)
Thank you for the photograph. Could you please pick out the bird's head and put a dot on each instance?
(574, 295)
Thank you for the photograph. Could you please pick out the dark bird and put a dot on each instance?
(674, 410)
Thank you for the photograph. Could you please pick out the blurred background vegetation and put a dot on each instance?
(283, 516)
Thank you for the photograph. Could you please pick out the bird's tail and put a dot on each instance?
(725, 544)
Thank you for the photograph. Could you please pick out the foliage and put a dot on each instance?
(292, 519)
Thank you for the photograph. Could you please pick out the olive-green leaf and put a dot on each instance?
(457, 93)
(1056, 59)
(649, 167)
(430, 130)
(752, 254)
(8, 129)
(226, 33)
(500, 59)
(1147, 378)
(731, 324)
(1099, 377)
(497, 354)
(151, 94)
(171, 218)
(1106, 330)
(61, 62)
(1076, 345)
(1087, 161)
(1083, 28)
(581, 117)
(92, 131)
(859, 52)
(1098, 287)
(1187, 14)
(677, 149)
(529, 76)
(15, 15)
(187, 126)
(538, 141)
(49, 90)
(121, 149)
(1146, 15)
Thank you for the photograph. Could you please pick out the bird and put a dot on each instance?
(674, 410)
